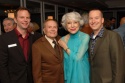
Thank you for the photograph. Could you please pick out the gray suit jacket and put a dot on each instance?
(121, 32)
(107, 62)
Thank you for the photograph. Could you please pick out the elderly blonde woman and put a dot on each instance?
(75, 45)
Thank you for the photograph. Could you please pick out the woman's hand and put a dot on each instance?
(62, 44)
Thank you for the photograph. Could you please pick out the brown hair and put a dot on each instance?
(98, 10)
(19, 9)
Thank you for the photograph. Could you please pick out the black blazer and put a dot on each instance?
(13, 66)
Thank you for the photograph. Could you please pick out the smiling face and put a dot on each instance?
(72, 26)
(8, 25)
(96, 20)
(22, 19)
(50, 29)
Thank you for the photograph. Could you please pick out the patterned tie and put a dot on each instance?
(56, 48)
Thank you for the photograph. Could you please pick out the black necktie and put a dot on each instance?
(56, 48)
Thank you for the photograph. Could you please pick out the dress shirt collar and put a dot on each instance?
(100, 34)
(50, 41)
(20, 35)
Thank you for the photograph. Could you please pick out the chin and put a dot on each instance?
(94, 28)
(73, 32)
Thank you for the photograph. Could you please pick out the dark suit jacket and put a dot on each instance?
(107, 62)
(47, 66)
(13, 67)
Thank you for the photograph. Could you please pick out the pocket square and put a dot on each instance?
(12, 45)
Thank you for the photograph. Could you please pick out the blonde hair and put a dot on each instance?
(72, 16)
(34, 26)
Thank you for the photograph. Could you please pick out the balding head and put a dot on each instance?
(122, 21)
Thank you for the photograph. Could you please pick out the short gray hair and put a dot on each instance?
(85, 17)
(10, 19)
(72, 16)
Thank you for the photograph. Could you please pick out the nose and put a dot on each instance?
(54, 28)
(72, 25)
(93, 20)
(25, 19)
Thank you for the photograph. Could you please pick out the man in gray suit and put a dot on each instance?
(106, 52)
(121, 29)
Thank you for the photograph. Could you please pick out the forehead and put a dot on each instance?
(23, 12)
(51, 23)
(7, 21)
(94, 13)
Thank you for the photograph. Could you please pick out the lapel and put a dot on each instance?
(60, 56)
(15, 40)
(48, 46)
(98, 44)
(30, 46)
(60, 49)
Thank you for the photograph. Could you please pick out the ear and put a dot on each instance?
(15, 20)
(43, 30)
(43, 33)
(30, 20)
(102, 20)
